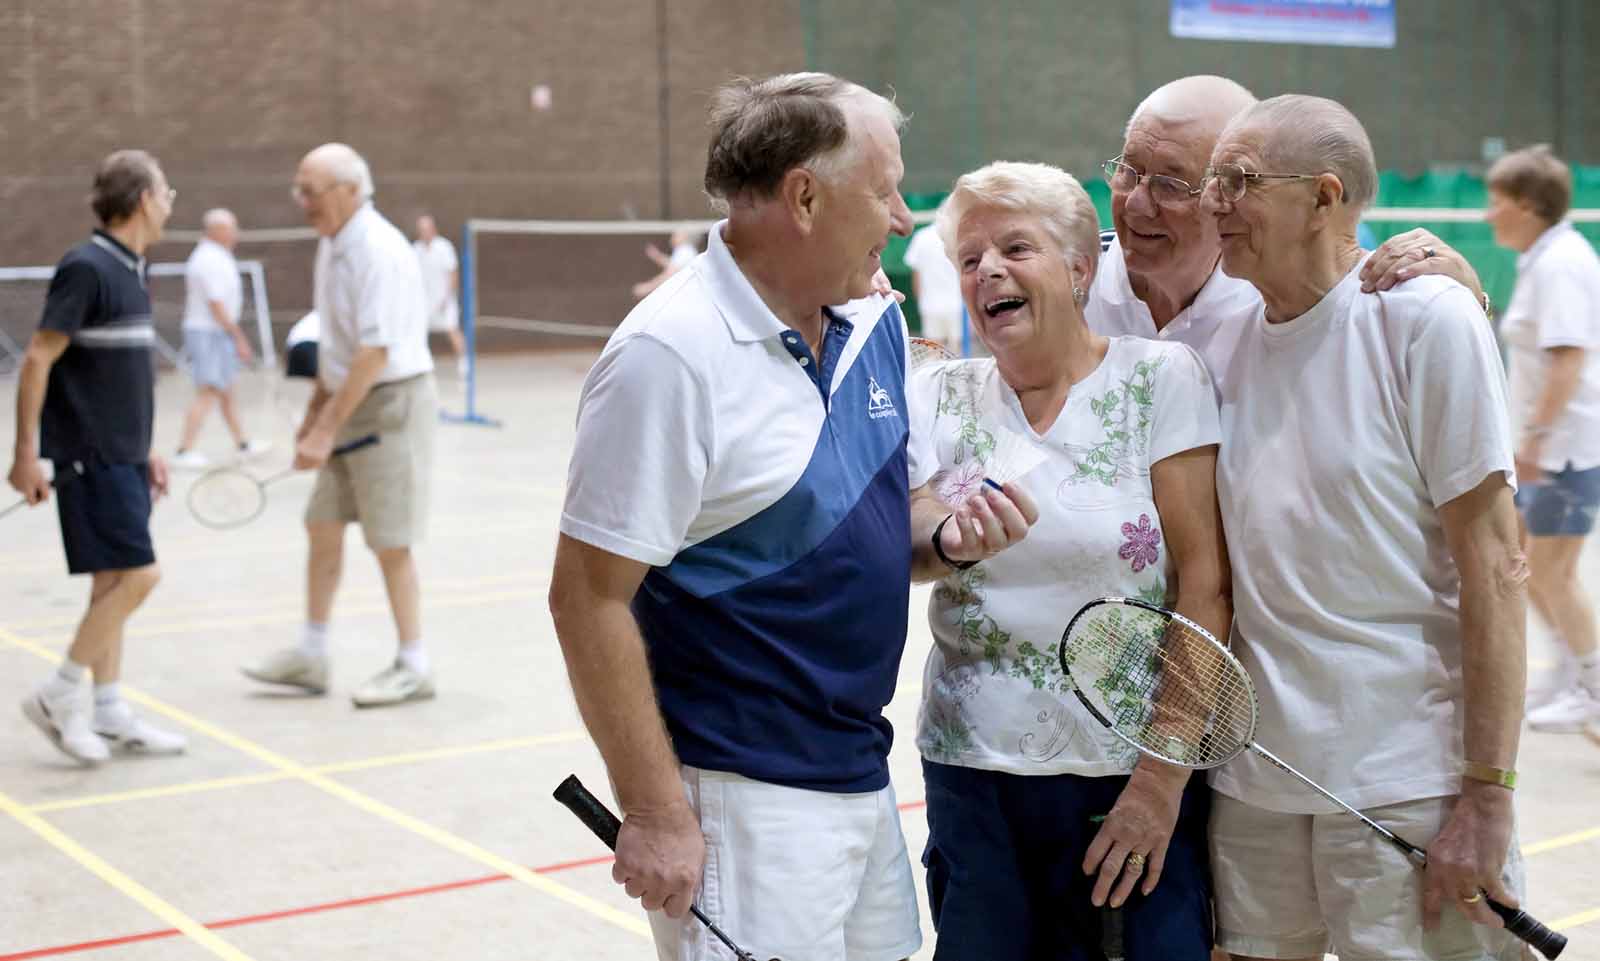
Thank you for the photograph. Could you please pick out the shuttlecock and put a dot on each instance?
(1007, 459)
(540, 97)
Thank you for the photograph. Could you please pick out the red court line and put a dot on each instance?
(319, 908)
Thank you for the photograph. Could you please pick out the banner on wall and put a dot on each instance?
(1340, 23)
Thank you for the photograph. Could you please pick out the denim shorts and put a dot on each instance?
(213, 359)
(1005, 871)
(1562, 504)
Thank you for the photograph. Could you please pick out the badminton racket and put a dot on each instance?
(1163, 684)
(924, 351)
(231, 497)
(599, 819)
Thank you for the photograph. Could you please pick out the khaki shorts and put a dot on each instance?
(1301, 885)
(383, 486)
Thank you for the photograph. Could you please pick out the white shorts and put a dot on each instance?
(792, 873)
(1301, 885)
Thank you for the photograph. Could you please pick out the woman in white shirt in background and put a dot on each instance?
(1552, 329)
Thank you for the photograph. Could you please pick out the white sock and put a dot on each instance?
(65, 681)
(1589, 670)
(106, 698)
(314, 639)
(413, 656)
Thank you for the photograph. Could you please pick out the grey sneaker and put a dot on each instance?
(65, 721)
(291, 667)
(124, 730)
(395, 684)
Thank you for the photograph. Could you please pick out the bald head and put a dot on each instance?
(221, 227)
(1205, 102)
(1313, 135)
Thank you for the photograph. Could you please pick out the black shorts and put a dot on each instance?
(303, 359)
(105, 516)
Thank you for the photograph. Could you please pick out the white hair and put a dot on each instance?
(1302, 134)
(218, 217)
(1046, 192)
(347, 167)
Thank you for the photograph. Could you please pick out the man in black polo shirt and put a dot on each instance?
(86, 402)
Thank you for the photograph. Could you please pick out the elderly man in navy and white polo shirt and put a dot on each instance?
(374, 378)
(86, 403)
(738, 509)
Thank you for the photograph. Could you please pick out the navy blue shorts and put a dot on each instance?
(105, 516)
(1562, 504)
(1005, 871)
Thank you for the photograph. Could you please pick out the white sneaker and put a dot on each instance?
(291, 667)
(120, 728)
(395, 684)
(1552, 684)
(254, 448)
(190, 460)
(65, 721)
(1568, 713)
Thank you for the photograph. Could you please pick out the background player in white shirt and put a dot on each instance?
(1366, 489)
(936, 286)
(214, 343)
(1551, 330)
(441, 284)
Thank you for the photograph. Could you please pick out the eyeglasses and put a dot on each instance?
(1165, 191)
(1232, 179)
(302, 193)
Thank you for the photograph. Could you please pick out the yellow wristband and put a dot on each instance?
(1490, 775)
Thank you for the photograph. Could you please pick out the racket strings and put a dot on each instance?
(924, 351)
(226, 498)
(1161, 684)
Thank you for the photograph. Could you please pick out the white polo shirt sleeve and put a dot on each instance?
(1185, 414)
(1563, 306)
(1457, 410)
(643, 450)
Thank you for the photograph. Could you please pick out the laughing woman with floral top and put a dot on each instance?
(1037, 815)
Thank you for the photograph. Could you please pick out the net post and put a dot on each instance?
(258, 283)
(469, 329)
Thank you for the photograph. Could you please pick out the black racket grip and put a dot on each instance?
(356, 444)
(595, 815)
(1525, 926)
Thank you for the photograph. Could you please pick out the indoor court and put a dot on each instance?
(298, 827)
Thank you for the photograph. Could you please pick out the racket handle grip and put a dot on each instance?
(1548, 943)
(594, 815)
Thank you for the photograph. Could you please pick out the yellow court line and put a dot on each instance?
(130, 888)
(1575, 920)
(1560, 841)
(376, 808)
(149, 612)
(268, 777)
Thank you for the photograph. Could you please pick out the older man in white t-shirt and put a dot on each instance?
(1366, 488)
(441, 284)
(1160, 275)
(213, 342)
(374, 381)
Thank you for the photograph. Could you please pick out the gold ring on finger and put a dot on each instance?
(1136, 862)
(1476, 897)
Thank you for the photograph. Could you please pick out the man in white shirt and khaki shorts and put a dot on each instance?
(374, 377)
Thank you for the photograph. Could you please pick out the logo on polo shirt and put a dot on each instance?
(879, 404)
